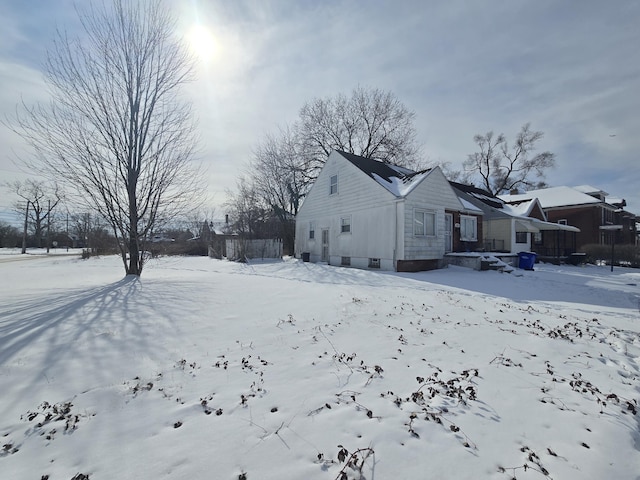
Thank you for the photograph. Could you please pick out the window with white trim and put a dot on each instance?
(521, 237)
(468, 228)
(333, 184)
(312, 230)
(424, 223)
(345, 225)
(374, 263)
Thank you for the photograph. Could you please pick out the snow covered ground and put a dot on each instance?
(289, 370)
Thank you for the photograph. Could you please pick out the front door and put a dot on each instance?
(448, 232)
(325, 245)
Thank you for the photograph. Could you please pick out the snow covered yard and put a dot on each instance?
(289, 370)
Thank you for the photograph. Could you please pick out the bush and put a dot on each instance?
(624, 255)
(193, 248)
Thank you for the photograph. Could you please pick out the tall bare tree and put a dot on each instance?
(371, 123)
(116, 128)
(501, 169)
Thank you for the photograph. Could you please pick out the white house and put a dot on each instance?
(369, 214)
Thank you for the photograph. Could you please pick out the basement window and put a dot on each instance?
(374, 263)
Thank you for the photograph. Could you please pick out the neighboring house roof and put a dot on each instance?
(589, 190)
(469, 207)
(397, 180)
(540, 225)
(616, 202)
(485, 197)
(520, 211)
(552, 197)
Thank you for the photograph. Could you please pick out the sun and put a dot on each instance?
(201, 42)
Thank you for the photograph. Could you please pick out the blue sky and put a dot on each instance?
(572, 69)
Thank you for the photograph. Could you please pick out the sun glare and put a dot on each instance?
(201, 42)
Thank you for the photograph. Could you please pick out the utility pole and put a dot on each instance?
(48, 225)
(24, 232)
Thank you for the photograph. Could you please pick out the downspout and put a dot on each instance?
(395, 239)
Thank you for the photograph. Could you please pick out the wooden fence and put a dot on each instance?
(239, 249)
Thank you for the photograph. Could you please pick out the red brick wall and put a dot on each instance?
(587, 219)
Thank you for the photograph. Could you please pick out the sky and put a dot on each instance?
(571, 69)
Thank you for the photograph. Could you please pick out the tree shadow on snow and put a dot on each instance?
(87, 329)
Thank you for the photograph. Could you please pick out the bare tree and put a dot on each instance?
(199, 223)
(116, 128)
(38, 201)
(501, 169)
(90, 232)
(281, 180)
(371, 123)
(246, 210)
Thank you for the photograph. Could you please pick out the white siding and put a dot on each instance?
(499, 229)
(381, 223)
(504, 231)
(519, 247)
(370, 207)
(433, 194)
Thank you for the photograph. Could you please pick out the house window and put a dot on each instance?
(468, 228)
(345, 225)
(521, 237)
(537, 238)
(424, 223)
(374, 263)
(333, 184)
(312, 230)
(345, 261)
(562, 222)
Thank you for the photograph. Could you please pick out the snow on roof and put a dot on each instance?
(469, 206)
(552, 197)
(618, 202)
(396, 179)
(522, 209)
(589, 190)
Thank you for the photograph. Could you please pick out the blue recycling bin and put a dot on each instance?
(526, 260)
